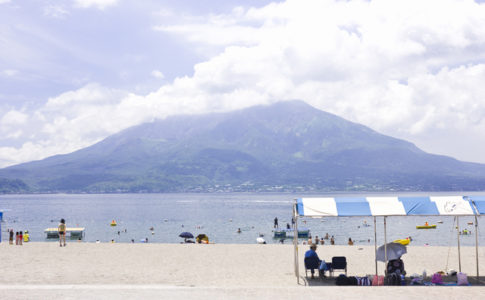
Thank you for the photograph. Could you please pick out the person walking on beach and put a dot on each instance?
(276, 222)
(16, 238)
(10, 240)
(62, 233)
(21, 238)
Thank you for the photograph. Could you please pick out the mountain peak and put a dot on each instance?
(287, 144)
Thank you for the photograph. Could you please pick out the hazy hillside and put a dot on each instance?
(288, 146)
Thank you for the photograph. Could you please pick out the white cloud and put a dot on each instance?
(99, 4)
(410, 69)
(157, 74)
(13, 117)
(56, 11)
(9, 73)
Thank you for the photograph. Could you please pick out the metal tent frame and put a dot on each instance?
(475, 212)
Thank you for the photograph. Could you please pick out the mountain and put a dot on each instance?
(287, 146)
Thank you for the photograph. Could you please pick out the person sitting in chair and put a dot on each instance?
(312, 261)
(396, 266)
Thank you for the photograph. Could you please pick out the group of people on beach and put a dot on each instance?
(321, 241)
(20, 237)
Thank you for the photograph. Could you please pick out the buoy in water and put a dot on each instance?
(113, 223)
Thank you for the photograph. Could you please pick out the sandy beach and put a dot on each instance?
(220, 270)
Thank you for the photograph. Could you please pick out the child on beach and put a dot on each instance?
(62, 233)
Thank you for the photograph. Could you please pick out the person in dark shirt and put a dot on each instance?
(276, 222)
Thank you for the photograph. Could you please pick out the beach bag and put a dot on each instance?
(378, 280)
(342, 280)
(437, 279)
(462, 279)
(324, 266)
(364, 281)
(392, 279)
(352, 280)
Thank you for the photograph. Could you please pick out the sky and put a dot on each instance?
(73, 72)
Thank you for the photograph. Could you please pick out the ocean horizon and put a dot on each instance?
(160, 218)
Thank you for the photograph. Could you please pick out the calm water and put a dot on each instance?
(217, 215)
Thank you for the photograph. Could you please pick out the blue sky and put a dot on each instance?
(73, 72)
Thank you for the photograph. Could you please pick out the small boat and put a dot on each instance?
(283, 233)
(426, 226)
(440, 222)
(113, 223)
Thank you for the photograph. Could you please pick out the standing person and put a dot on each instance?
(350, 242)
(26, 236)
(332, 240)
(10, 234)
(16, 237)
(276, 222)
(62, 233)
(21, 238)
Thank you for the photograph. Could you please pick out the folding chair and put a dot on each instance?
(338, 263)
(311, 263)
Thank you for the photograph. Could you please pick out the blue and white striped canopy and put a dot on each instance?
(391, 206)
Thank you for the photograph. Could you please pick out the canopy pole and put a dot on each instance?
(375, 242)
(476, 246)
(295, 242)
(385, 245)
(458, 235)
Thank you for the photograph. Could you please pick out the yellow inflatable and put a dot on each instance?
(403, 241)
(113, 223)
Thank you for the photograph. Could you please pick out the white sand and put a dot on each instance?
(228, 271)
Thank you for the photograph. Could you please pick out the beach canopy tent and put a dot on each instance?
(388, 206)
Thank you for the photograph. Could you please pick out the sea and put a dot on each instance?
(228, 218)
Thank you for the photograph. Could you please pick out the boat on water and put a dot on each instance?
(284, 233)
(426, 226)
(73, 233)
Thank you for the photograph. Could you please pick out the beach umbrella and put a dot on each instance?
(186, 235)
(394, 251)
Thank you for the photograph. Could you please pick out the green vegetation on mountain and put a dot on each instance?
(288, 146)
